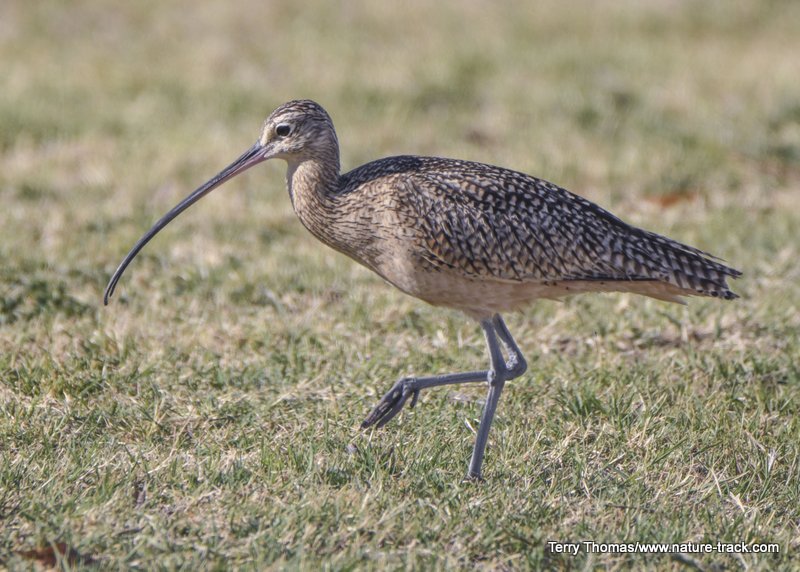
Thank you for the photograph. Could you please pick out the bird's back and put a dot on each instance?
(447, 219)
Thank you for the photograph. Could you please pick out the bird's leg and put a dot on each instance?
(391, 403)
(500, 372)
(516, 364)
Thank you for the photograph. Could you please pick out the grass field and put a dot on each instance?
(208, 418)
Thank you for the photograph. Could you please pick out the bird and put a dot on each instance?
(473, 237)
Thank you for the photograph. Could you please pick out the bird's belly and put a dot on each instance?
(477, 297)
(482, 297)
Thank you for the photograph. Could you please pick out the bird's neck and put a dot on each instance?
(331, 215)
(311, 182)
(312, 185)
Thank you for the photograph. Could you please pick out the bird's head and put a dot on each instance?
(297, 131)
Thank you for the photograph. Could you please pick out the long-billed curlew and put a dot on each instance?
(469, 236)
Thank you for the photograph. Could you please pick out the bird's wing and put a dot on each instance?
(490, 222)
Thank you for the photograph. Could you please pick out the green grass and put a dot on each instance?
(208, 418)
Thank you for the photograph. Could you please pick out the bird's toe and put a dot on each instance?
(391, 404)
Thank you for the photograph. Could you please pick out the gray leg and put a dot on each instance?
(391, 403)
(497, 379)
(516, 364)
(500, 372)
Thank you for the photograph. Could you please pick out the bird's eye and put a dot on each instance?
(283, 130)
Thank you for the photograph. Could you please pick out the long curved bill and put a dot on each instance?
(252, 156)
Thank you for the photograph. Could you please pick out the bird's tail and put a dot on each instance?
(692, 270)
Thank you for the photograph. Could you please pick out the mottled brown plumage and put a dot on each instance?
(474, 237)
(480, 238)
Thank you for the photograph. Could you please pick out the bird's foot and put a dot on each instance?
(391, 403)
